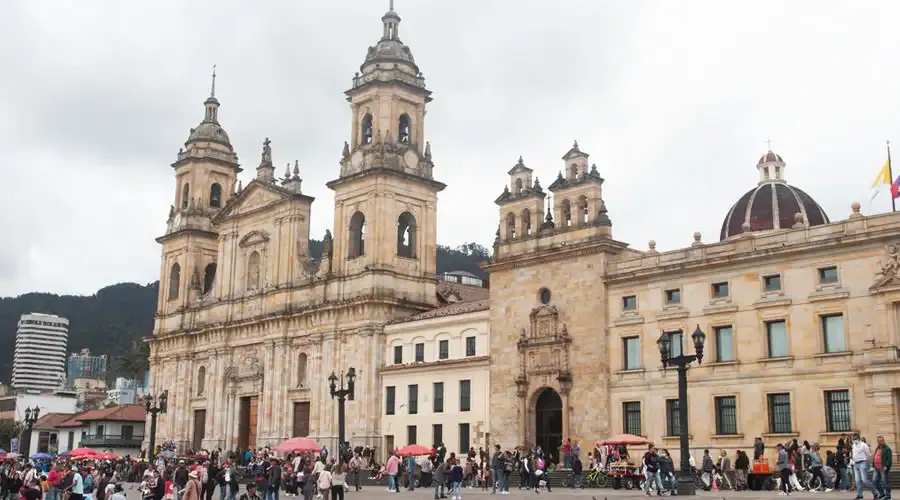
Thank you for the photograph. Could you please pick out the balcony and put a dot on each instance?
(112, 441)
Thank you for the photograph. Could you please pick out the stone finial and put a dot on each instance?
(697, 239)
(652, 245)
(594, 171)
(602, 217)
(346, 152)
(537, 184)
(171, 211)
(548, 220)
(240, 186)
(427, 150)
(799, 221)
(266, 157)
(287, 171)
(505, 189)
(575, 144)
(854, 207)
(296, 169)
(559, 176)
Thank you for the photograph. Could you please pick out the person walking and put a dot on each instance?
(882, 462)
(860, 454)
(783, 466)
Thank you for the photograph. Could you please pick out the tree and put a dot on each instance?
(136, 361)
(9, 429)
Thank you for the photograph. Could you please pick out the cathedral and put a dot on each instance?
(800, 313)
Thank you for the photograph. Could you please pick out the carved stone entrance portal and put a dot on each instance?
(548, 422)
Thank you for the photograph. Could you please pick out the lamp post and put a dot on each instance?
(31, 416)
(341, 394)
(154, 407)
(685, 480)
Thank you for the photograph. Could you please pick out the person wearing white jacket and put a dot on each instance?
(860, 455)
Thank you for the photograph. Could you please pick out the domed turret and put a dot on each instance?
(773, 204)
(389, 59)
(209, 130)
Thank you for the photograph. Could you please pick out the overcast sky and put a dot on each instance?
(675, 101)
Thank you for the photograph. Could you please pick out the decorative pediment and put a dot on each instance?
(544, 322)
(255, 196)
(888, 276)
(255, 237)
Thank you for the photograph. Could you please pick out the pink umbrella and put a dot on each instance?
(414, 449)
(82, 452)
(302, 444)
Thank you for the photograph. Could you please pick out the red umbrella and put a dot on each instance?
(82, 452)
(625, 439)
(106, 456)
(301, 444)
(414, 449)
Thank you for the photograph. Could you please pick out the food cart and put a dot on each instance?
(624, 473)
(761, 477)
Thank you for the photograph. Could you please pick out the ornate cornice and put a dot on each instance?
(555, 253)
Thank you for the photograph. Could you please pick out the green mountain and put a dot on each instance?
(113, 319)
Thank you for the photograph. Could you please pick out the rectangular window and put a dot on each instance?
(398, 354)
(632, 353)
(833, 331)
(438, 398)
(776, 334)
(837, 411)
(720, 290)
(470, 346)
(443, 349)
(724, 343)
(673, 297)
(411, 434)
(389, 394)
(673, 418)
(437, 434)
(463, 437)
(676, 343)
(726, 415)
(465, 395)
(780, 413)
(828, 275)
(631, 412)
(772, 283)
(420, 353)
(629, 303)
(412, 402)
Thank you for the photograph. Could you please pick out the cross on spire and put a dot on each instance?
(212, 90)
(391, 5)
(769, 142)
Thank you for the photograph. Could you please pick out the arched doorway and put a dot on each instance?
(548, 422)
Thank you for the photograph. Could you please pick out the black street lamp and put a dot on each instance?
(685, 480)
(154, 407)
(31, 416)
(342, 394)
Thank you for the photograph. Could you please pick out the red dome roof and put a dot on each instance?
(770, 156)
(771, 205)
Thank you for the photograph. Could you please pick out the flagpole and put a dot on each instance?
(891, 173)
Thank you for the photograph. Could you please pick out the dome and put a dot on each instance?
(390, 51)
(209, 132)
(769, 157)
(771, 205)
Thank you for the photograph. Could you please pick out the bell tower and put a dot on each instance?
(385, 218)
(205, 175)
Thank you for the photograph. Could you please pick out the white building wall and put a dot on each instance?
(457, 367)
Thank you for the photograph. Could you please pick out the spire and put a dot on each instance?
(211, 103)
(287, 171)
(391, 23)
(296, 169)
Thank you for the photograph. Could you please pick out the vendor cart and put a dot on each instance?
(761, 477)
(625, 475)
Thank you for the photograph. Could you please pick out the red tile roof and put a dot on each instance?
(121, 413)
(52, 420)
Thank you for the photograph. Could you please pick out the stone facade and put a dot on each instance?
(802, 322)
(248, 326)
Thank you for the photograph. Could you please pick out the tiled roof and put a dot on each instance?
(454, 292)
(121, 413)
(51, 420)
(448, 310)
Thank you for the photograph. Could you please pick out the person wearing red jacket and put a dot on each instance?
(54, 478)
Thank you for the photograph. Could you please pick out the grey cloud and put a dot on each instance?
(674, 100)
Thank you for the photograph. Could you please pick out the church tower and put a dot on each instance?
(205, 175)
(385, 219)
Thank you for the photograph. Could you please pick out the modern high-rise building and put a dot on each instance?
(39, 362)
(86, 365)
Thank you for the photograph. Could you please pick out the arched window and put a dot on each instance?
(253, 271)
(566, 213)
(583, 210)
(365, 136)
(185, 195)
(201, 381)
(517, 187)
(209, 275)
(406, 235)
(174, 281)
(573, 171)
(405, 129)
(357, 235)
(301, 370)
(526, 222)
(215, 195)
(510, 226)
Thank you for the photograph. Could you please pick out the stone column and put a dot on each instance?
(565, 414)
(523, 420)
(267, 399)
